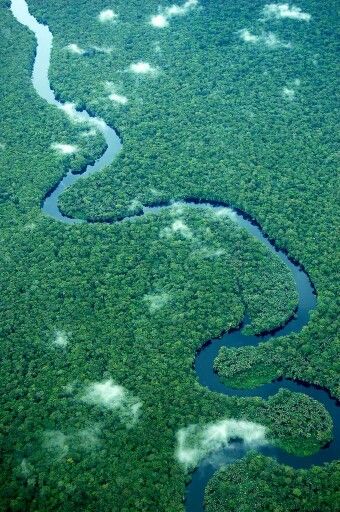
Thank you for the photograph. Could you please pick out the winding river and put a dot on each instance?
(205, 357)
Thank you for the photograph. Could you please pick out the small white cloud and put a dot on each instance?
(109, 395)
(179, 227)
(60, 339)
(64, 149)
(177, 10)
(279, 11)
(157, 47)
(288, 93)
(89, 133)
(224, 212)
(159, 21)
(2, 145)
(106, 393)
(247, 36)
(267, 38)
(134, 205)
(107, 15)
(272, 41)
(195, 442)
(30, 226)
(70, 110)
(55, 442)
(206, 252)
(78, 117)
(118, 98)
(88, 438)
(74, 48)
(156, 301)
(142, 68)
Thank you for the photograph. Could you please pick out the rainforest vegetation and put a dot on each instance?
(133, 302)
(260, 484)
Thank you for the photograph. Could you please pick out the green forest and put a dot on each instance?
(119, 310)
(259, 483)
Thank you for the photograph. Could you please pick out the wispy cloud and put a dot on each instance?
(76, 117)
(118, 98)
(142, 68)
(178, 227)
(268, 39)
(288, 93)
(74, 48)
(156, 301)
(60, 339)
(225, 212)
(64, 149)
(196, 442)
(161, 20)
(112, 396)
(280, 11)
(107, 15)
(56, 444)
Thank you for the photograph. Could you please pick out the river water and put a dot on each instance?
(194, 500)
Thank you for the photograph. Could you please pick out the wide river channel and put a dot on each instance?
(194, 500)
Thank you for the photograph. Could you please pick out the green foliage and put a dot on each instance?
(257, 483)
(214, 124)
(197, 129)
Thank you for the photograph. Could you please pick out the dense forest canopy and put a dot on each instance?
(99, 322)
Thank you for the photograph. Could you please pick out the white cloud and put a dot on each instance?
(2, 145)
(176, 10)
(64, 149)
(157, 47)
(118, 98)
(205, 252)
(74, 48)
(78, 117)
(142, 68)
(107, 15)
(161, 20)
(60, 339)
(285, 11)
(70, 110)
(248, 37)
(89, 133)
(267, 38)
(195, 442)
(109, 395)
(88, 438)
(224, 212)
(134, 205)
(272, 41)
(178, 226)
(156, 301)
(55, 442)
(288, 93)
